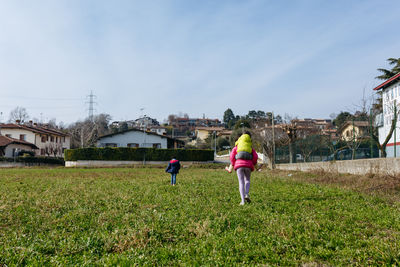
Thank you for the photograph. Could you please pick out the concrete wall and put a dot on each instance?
(360, 166)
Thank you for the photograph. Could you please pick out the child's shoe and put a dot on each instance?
(228, 169)
(241, 203)
(247, 199)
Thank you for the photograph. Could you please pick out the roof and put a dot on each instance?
(388, 82)
(210, 128)
(136, 130)
(5, 141)
(35, 129)
(356, 124)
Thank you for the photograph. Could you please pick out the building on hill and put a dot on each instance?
(50, 142)
(321, 124)
(183, 125)
(391, 102)
(11, 147)
(138, 138)
(316, 126)
(357, 130)
(202, 133)
(160, 130)
(139, 123)
(145, 121)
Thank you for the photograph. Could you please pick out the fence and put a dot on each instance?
(324, 154)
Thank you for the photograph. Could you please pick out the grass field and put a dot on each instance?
(133, 216)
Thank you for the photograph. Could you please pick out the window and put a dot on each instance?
(42, 152)
(51, 138)
(158, 145)
(8, 135)
(43, 139)
(22, 137)
(56, 139)
(111, 145)
(133, 145)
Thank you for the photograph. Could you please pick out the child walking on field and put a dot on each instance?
(173, 168)
(244, 149)
(243, 162)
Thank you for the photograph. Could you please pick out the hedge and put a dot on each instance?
(29, 159)
(138, 154)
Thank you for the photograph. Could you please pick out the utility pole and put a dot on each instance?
(395, 125)
(370, 130)
(273, 141)
(91, 104)
(215, 144)
(353, 156)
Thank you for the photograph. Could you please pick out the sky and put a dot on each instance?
(307, 59)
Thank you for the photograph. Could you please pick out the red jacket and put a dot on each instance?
(239, 163)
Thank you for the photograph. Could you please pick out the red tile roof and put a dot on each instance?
(35, 129)
(5, 141)
(388, 82)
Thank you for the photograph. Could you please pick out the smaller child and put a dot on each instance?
(244, 149)
(173, 168)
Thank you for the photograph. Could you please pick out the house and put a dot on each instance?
(391, 101)
(354, 130)
(50, 142)
(138, 138)
(203, 132)
(160, 130)
(183, 125)
(11, 147)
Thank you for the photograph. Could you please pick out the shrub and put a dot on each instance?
(138, 154)
(29, 159)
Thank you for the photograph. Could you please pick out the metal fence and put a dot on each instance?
(324, 154)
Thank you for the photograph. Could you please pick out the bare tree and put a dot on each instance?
(376, 117)
(310, 144)
(270, 137)
(85, 133)
(53, 149)
(18, 114)
(375, 136)
(291, 132)
(356, 135)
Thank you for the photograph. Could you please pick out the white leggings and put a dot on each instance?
(244, 181)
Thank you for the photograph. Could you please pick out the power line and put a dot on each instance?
(43, 98)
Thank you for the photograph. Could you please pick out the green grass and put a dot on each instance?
(133, 216)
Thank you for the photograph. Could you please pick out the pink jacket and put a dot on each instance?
(239, 163)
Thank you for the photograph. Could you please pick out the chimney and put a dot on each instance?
(30, 122)
(18, 122)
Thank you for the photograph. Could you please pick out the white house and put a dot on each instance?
(138, 138)
(390, 100)
(10, 147)
(50, 142)
(158, 130)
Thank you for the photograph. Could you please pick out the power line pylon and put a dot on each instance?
(91, 103)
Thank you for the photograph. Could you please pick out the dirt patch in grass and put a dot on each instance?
(383, 185)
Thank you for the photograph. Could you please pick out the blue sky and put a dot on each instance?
(307, 58)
